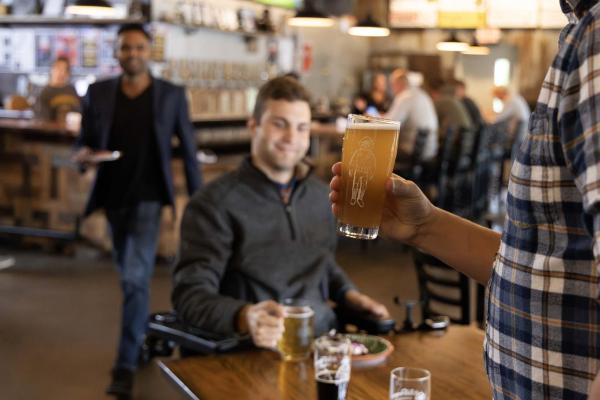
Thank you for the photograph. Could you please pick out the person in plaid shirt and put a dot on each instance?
(543, 312)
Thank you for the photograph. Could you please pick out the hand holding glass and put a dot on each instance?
(298, 321)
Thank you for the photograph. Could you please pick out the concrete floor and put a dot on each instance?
(59, 318)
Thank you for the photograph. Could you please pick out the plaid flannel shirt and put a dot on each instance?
(543, 330)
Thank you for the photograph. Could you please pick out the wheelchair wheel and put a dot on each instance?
(153, 347)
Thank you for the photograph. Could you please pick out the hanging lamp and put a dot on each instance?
(475, 49)
(452, 43)
(369, 27)
(90, 8)
(308, 16)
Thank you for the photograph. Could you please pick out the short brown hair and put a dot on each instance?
(281, 88)
(65, 60)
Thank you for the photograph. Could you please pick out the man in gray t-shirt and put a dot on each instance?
(59, 97)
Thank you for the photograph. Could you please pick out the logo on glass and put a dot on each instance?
(409, 394)
(362, 170)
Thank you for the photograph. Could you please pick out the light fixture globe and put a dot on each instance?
(452, 43)
(475, 49)
(368, 27)
(90, 8)
(308, 16)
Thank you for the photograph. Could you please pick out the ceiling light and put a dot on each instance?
(309, 17)
(452, 44)
(475, 49)
(90, 8)
(368, 27)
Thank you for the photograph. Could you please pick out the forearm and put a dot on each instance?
(462, 244)
(208, 311)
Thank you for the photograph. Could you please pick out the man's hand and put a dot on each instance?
(264, 322)
(362, 302)
(81, 155)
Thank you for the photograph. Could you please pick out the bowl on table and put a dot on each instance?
(369, 350)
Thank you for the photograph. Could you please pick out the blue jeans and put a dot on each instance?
(134, 233)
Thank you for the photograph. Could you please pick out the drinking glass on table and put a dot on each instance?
(332, 366)
(410, 384)
(368, 156)
(298, 322)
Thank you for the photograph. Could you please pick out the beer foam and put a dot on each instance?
(374, 126)
(303, 314)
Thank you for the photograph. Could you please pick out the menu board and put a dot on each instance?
(461, 14)
(413, 13)
(512, 14)
(550, 14)
(469, 14)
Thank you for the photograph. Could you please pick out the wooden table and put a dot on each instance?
(454, 359)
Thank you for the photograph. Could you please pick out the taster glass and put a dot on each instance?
(332, 366)
(410, 384)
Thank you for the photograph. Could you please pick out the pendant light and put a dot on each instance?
(452, 44)
(368, 27)
(475, 49)
(308, 16)
(90, 8)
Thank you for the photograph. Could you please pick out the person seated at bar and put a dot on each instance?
(515, 112)
(413, 107)
(460, 92)
(59, 96)
(264, 233)
(451, 113)
(378, 96)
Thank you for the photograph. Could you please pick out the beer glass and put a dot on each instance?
(332, 366)
(368, 156)
(410, 384)
(298, 322)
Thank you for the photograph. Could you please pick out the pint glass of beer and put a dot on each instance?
(298, 322)
(368, 155)
(332, 366)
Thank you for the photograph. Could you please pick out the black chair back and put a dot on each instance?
(447, 164)
(482, 173)
(443, 291)
(462, 179)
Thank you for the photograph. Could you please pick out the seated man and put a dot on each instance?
(264, 233)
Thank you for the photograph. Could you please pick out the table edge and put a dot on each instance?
(170, 375)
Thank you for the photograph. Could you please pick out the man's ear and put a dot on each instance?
(252, 125)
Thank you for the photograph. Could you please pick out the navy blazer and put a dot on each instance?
(170, 111)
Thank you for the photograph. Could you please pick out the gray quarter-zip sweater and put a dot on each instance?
(241, 244)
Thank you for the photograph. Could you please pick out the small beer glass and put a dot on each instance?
(332, 366)
(368, 156)
(410, 384)
(298, 321)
